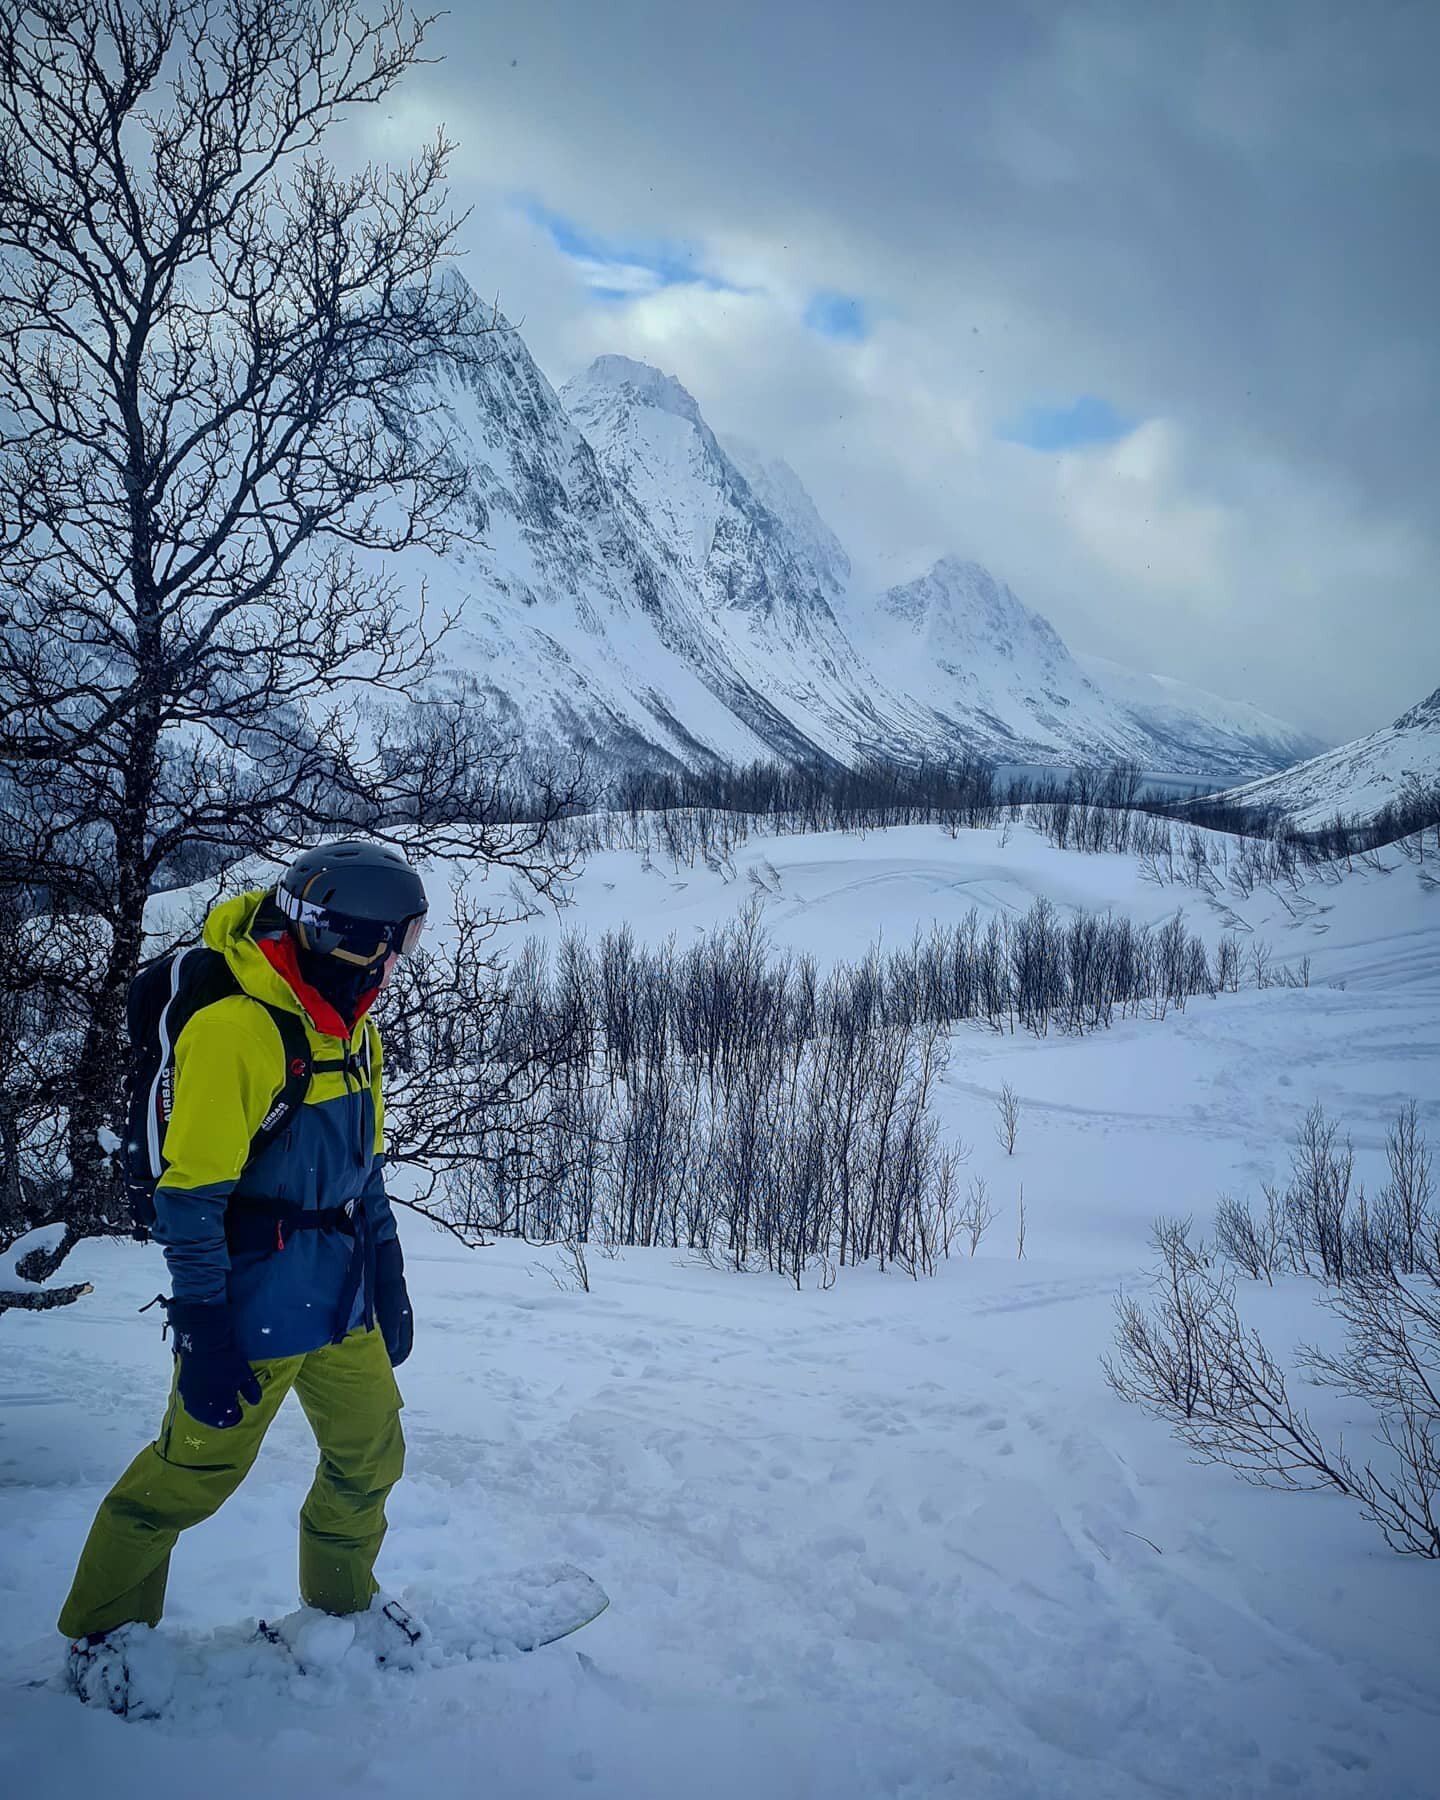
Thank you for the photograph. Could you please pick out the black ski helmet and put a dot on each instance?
(354, 900)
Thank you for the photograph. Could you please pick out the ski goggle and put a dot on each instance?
(331, 933)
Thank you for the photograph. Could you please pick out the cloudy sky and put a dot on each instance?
(1135, 303)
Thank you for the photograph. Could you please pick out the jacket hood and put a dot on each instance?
(227, 929)
(268, 971)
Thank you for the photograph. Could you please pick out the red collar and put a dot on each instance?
(279, 952)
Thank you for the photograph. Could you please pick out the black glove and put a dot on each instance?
(392, 1302)
(212, 1370)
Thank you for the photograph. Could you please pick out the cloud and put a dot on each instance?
(1134, 509)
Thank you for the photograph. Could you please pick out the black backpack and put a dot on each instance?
(164, 995)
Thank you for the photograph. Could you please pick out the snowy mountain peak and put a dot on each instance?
(1003, 680)
(712, 527)
(640, 383)
(961, 607)
(1424, 717)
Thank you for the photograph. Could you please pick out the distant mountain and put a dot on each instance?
(998, 673)
(1199, 725)
(1002, 677)
(659, 597)
(1359, 779)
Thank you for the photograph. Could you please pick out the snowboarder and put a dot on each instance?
(284, 1261)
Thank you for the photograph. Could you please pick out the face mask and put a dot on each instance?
(343, 984)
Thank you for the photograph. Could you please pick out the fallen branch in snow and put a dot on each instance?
(31, 1261)
(1144, 1540)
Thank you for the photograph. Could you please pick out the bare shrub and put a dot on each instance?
(1187, 1358)
(1318, 1198)
(1254, 1245)
(1261, 957)
(946, 1220)
(1228, 964)
(571, 1271)
(1007, 1123)
(980, 1212)
(1391, 1359)
(1405, 1201)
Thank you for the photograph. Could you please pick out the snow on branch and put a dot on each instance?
(30, 1262)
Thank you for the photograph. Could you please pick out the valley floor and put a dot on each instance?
(893, 1538)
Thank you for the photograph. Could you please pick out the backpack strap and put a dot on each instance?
(299, 1067)
(198, 972)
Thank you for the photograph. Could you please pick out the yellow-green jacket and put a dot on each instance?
(229, 1071)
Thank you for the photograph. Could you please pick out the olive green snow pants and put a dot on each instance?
(350, 1398)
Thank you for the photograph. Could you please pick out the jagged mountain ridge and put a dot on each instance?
(568, 628)
(632, 588)
(762, 599)
(1359, 779)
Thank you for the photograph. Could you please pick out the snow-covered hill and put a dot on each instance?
(640, 589)
(1359, 779)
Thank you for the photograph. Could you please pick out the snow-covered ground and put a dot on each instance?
(893, 1538)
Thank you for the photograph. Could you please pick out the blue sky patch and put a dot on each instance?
(839, 316)
(1086, 420)
(620, 269)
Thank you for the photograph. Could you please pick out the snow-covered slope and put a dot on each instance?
(567, 625)
(1200, 726)
(960, 640)
(1359, 779)
(1002, 678)
(633, 586)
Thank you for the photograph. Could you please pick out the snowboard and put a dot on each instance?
(174, 1673)
(521, 1612)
